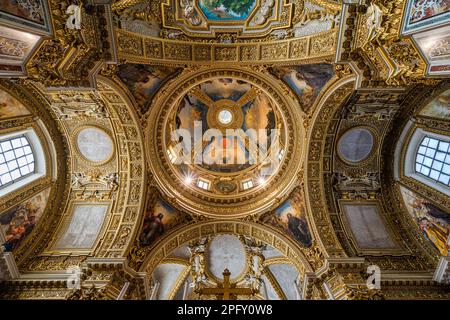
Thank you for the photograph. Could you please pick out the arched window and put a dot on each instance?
(433, 159)
(427, 158)
(22, 160)
(16, 160)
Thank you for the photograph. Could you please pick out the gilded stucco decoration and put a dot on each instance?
(372, 40)
(234, 202)
(106, 182)
(55, 158)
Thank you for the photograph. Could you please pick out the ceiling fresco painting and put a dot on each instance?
(422, 14)
(224, 150)
(291, 217)
(159, 219)
(439, 107)
(10, 107)
(206, 17)
(230, 104)
(305, 80)
(18, 222)
(16, 47)
(143, 81)
(434, 46)
(32, 15)
(432, 221)
(30, 11)
(227, 9)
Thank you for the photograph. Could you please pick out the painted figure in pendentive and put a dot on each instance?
(434, 224)
(153, 228)
(436, 233)
(299, 229)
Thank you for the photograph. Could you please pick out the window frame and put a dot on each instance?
(433, 159)
(16, 159)
(40, 167)
(409, 160)
(247, 184)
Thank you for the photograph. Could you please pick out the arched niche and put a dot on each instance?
(148, 260)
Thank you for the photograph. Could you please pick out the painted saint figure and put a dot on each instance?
(433, 223)
(436, 234)
(299, 228)
(18, 222)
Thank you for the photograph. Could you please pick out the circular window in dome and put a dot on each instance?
(355, 145)
(225, 117)
(95, 145)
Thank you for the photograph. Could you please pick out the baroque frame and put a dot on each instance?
(158, 253)
(191, 197)
(407, 28)
(78, 152)
(369, 251)
(65, 223)
(369, 157)
(277, 20)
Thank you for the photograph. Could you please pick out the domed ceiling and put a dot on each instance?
(205, 17)
(224, 137)
(185, 137)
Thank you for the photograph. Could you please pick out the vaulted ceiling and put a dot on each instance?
(276, 139)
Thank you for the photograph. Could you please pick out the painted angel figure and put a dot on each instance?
(197, 261)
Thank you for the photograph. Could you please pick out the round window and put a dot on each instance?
(355, 145)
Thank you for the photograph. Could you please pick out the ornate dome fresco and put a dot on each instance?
(227, 138)
(225, 105)
(216, 149)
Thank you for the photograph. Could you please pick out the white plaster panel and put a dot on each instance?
(84, 226)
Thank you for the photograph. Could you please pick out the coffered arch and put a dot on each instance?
(106, 186)
(317, 164)
(423, 201)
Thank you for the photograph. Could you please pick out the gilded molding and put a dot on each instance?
(136, 48)
(202, 203)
